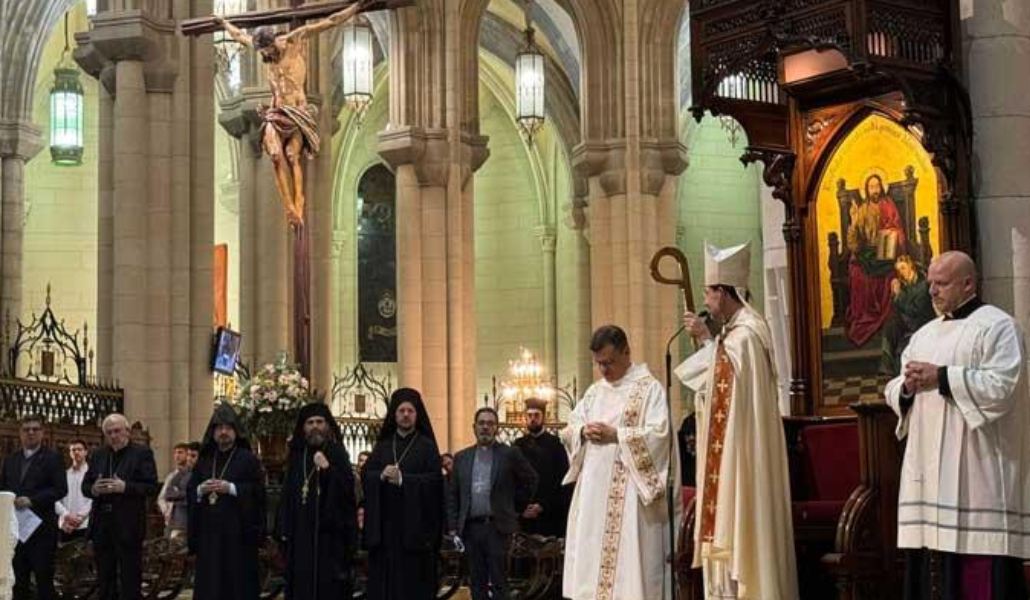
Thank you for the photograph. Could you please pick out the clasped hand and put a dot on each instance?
(217, 486)
(392, 474)
(600, 433)
(920, 377)
(104, 486)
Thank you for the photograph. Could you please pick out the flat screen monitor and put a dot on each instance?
(227, 351)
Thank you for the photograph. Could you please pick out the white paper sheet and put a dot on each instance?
(27, 523)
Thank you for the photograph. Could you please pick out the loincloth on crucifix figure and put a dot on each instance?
(289, 130)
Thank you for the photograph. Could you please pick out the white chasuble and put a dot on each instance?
(743, 535)
(965, 479)
(618, 530)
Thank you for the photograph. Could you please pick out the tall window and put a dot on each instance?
(377, 266)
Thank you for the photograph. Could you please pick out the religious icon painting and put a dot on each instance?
(878, 228)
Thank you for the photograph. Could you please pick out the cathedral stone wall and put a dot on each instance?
(61, 205)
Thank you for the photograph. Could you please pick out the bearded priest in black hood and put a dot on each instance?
(403, 485)
(317, 496)
(226, 508)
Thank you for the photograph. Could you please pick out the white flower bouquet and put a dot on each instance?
(271, 398)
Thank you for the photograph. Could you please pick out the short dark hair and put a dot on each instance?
(364, 453)
(181, 446)
(264, 37)
(33, 418)
(731, 291)
(609, 334)
(194, 447)
(79, 442)
(488, 409)
(447, 455)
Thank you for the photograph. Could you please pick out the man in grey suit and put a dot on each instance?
(493, 483)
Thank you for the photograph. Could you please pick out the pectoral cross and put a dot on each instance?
(289, 128)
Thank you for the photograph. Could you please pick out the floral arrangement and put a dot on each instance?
(271, 398)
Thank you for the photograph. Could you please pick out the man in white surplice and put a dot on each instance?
(964, 503)
(619, 444)
(743, 537)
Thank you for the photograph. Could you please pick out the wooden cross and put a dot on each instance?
(296, 15)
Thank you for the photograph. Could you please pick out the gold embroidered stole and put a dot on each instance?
(717, 419)
(616, 501)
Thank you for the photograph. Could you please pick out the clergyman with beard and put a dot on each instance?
(317, 522)
(548, 510)
(226, 508)
(404, 512)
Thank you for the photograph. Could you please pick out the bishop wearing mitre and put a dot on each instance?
(743, 537)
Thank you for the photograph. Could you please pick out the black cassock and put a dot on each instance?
(547, 456)
(330, 503)
(403, 525)
(225, 536)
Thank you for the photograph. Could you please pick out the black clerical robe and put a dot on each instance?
(118, 522)
(403, 524)
(547, 456)
(225, 536)
(327, 507)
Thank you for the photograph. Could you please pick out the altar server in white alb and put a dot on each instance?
(619, 444)
(743, 537)
(964, 505)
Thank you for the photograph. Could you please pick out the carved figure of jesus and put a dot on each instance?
(289, 130)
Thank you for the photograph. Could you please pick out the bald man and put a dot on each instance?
(961, 400)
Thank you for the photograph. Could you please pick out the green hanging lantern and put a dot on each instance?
(66, 107)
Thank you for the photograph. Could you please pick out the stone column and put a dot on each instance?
(435, 272)
(19, 142)
(320, 220)
(997, 36)
(548, 245)
(156, 224)
(105, 229)
(420, 160)
(265, 245)
(631, 215)
(129, 298)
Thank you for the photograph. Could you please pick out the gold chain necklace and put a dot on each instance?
(213, 497)
(307, 476)
(397, 461)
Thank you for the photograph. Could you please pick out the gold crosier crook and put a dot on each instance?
(683, 282)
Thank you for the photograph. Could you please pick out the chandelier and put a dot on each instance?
(530, 82)
(66, 99)
(357, 64)
(525, 380)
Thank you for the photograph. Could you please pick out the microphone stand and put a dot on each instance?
(671, 495)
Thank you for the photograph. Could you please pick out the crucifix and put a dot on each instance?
(289, 127)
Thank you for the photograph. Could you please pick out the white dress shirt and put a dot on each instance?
(75, 502)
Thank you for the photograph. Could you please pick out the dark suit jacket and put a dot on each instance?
(45, 482)
(512, 484)
(126, 512)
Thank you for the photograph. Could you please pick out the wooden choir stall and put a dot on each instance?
(857, 113)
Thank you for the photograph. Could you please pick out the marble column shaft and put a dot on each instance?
(997, 42)
(19, 142)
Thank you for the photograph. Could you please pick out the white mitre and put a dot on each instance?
(8, 540)
(728, 266)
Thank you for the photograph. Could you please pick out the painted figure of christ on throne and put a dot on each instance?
(875, 238)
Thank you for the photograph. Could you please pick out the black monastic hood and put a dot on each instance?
(422, 422)
(224, 415)
(314, 409)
